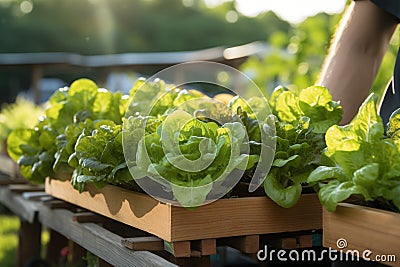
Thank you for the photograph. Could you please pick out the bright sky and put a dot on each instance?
(292, 10)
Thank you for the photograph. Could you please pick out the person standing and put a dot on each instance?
(357, 50)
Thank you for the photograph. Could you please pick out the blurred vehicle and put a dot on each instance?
(121, 81)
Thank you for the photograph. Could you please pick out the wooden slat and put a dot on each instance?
(178, 249)
(245, 244)
(121, 229)
(84, 217)
(363, 228)
(150, 243)
(37, 195)
(19, 188)
(9, 181)
(59, 204)
(246, 216)
(205, 246)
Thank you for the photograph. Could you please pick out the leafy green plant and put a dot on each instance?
(175, 141)
(301, 122)
(21, 114)
(44, 149)
(98, 157)
(182, 144)
(363, 161)
(213, 151)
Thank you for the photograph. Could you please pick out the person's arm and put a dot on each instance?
(356, 53)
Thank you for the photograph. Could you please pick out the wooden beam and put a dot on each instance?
(24, 208)
(9, 181)
(98, 240)
(20, 188)
(37, 195)
(90, 236)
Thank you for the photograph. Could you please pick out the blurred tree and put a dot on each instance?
(105, 26)
(118, 26)
(296, 58)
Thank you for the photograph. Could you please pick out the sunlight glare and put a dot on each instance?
(293, 11)
(26, 7)
(105, 22)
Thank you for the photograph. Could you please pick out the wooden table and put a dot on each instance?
(28, 204)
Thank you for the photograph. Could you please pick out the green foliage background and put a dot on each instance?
(106, 27)
(118, 26)
(297, 56)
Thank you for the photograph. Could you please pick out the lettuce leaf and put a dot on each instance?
(190, 154)
(49, 146)
(301, 122)
(366, 163)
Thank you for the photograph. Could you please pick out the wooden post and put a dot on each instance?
(178, 249)
(53, 250)
(29, 238)
(78, 253)
(37, 75)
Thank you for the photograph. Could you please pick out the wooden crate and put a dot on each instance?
(222, 218)
(363, 229)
